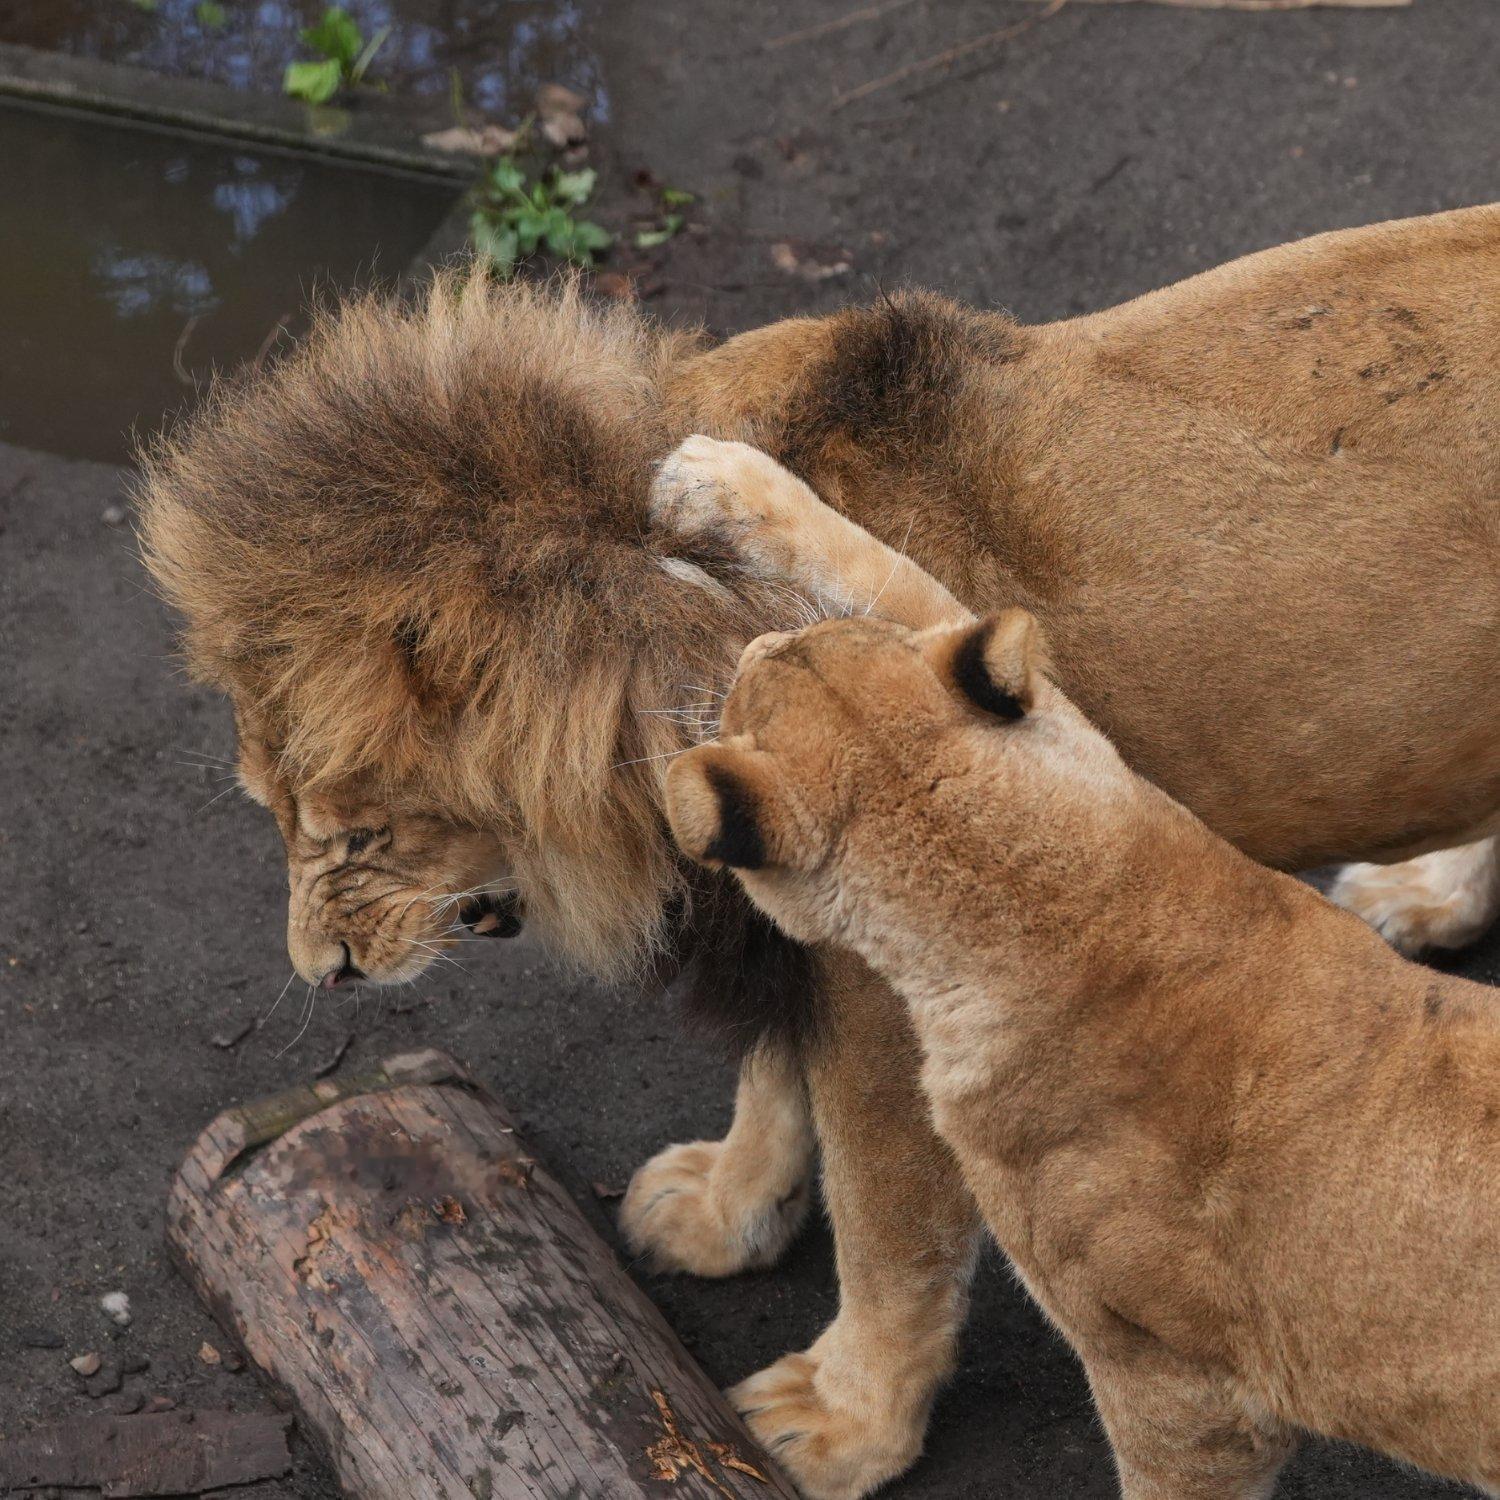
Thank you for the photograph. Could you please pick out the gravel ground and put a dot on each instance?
(1107, 150)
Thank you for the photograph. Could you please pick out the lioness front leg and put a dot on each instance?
(850, 1413)
(778, 527)
(1442, 900)
(1178, 1434)
(715, 1208)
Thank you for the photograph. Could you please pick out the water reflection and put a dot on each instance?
(499, 50)
(136, 263)
(137, 284)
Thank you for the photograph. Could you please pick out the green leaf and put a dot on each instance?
(677, 197)
(649, 239)
(591, 236)
(496, 243)
(530, 227)
(574, 187)
(336, 36)
(316, 82)
(506, 177)
(210, 15)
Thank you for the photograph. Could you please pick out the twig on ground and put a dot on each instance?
(947, 57)
(839, 23)
(1256, 4)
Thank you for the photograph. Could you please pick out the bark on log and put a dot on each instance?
(442, 1316)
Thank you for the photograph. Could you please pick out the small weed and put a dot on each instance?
(514, 218)
(210, 15)
(669, 223)
(148, 6)
(344, 57)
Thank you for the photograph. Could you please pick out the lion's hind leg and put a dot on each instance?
(1442, 900)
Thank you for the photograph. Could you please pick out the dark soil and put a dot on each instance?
(1108, 150)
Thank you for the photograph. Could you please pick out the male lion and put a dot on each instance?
(1256, 513)
(1245, 1156)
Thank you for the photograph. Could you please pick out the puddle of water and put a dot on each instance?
(136, 262)
(500, 49)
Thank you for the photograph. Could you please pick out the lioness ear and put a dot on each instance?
(727, 807)
(994, 664)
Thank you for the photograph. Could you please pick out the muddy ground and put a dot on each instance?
(1108, 150)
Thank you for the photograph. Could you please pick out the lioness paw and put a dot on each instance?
(738, 495)
(1442, 900)
(686, 1216)
(831, 1452)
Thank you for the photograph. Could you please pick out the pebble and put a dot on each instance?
(134, 1364)
(161, 1403)
(233, 1361)
(86, 1364)
(113, 515)
(208, 1354)
(124, 1406)
(106, 1382)
(117, 1305)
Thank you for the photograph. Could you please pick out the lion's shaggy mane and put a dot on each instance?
(416, 553)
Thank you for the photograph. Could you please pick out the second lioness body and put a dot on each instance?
(1245, 1156)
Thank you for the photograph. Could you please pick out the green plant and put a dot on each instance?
(210, 15)
(669, 223)
(345, 57)
(513, 219)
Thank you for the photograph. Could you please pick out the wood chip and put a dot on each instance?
(483, 140)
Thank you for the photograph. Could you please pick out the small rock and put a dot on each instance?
(117, 1305)
(161, 1403)
(233, 1361)
(209, 1355)
(113, 515)
(86, 1364)
(134, 1364)
(124, 1406)
(106, 1382)
(38, 1338)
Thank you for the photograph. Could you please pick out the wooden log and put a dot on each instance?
(443, 1318)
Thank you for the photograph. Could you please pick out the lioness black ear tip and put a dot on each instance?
(974, 679)
(738, 842)
(713, 810)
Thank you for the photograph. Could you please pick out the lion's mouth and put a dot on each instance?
(491, 916)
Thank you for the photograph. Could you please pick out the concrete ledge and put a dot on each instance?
(373, 132)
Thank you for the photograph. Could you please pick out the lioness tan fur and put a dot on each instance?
(1255, 512)
(1246, 1157)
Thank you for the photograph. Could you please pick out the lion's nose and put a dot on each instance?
(343, 972)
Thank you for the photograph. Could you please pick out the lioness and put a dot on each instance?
(1245, 1156)
(1256, 513)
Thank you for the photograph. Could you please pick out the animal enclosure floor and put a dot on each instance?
(1109, 150)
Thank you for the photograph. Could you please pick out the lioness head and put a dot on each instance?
(417, 555)
(855, 754)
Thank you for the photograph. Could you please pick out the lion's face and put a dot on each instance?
(378, 890)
